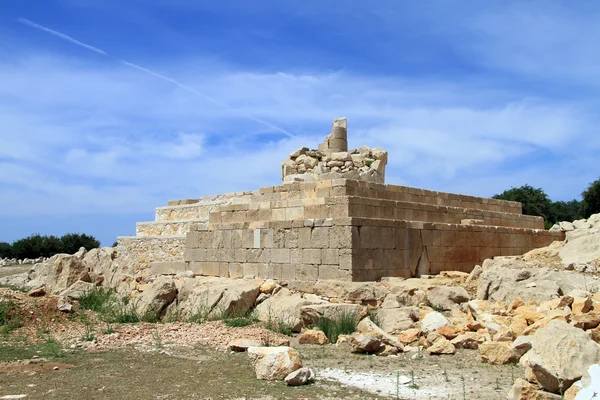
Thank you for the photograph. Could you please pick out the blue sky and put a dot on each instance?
(469, 97)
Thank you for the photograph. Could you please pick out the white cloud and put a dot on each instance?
(79, 138)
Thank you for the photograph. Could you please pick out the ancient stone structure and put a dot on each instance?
(339, 229)
(333, 160)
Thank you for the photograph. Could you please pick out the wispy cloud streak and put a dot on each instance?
(68, 38)
(155, 74)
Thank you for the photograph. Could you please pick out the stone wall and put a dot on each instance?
(357, 249)
(290, 250)
(138, 253)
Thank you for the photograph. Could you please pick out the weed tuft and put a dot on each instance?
(114, 309)
(280, 324)
(343, 323)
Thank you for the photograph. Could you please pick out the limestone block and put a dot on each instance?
(306, 272)
(167, 268)
(330, 256)
(333, 272)
(319, 238)
(311, 256)
(281, 256)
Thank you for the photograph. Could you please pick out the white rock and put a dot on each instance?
(300, 377)
(274, 363)
(433, 321)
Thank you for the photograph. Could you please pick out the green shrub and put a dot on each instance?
(343, 323)
(114, 309)
(5, 250)
(96, 299)
(591, 199)
(72, 242)
(37, 245)
(9, 317)
(238, 320)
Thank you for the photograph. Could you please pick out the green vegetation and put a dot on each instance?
(238, 319)
(344, 323)
(535, 201)
(591, 198)
(114, 309)
(9, 317)
(36, 245)
(279, 324)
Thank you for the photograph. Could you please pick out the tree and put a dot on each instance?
(534, 201)
(5, 250)
(591, 199)
(567, 210)
(36, 245)
(71, 242)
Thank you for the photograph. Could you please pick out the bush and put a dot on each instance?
(36, 245)
(567, 210)
(72, 242)
(591, 199)
(114, 309)
(344, 323)
(6, 250)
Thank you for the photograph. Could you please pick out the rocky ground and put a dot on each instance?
(521, 327)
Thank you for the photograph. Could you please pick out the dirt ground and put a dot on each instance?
(13, 270)
(49, 358)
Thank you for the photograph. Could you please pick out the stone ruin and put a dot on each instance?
(332, 219)
(333, 160)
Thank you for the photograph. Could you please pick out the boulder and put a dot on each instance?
(441, 346)
(523, 390)
(468, 340)
(77, 290)
(560, 355)
(368, 342)
(157, 297)
(586, 321)
(581, 305)
(313, 336)
(300, 377)
(409, 336)
(268, 286)
(100, 262)
(432, 321)
(63, 271)
(274, 363)
(582, 247)
(522, 345)
(447, 297)
(311, 314)
(366, 325)
(508, 282)
(497, 353)
(216, 295)
(285, 307)
(448, 331)
(239, 296)
(397, 319)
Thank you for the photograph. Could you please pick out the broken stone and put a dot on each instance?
(300, 377)
(274, 363)
(313, 336)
